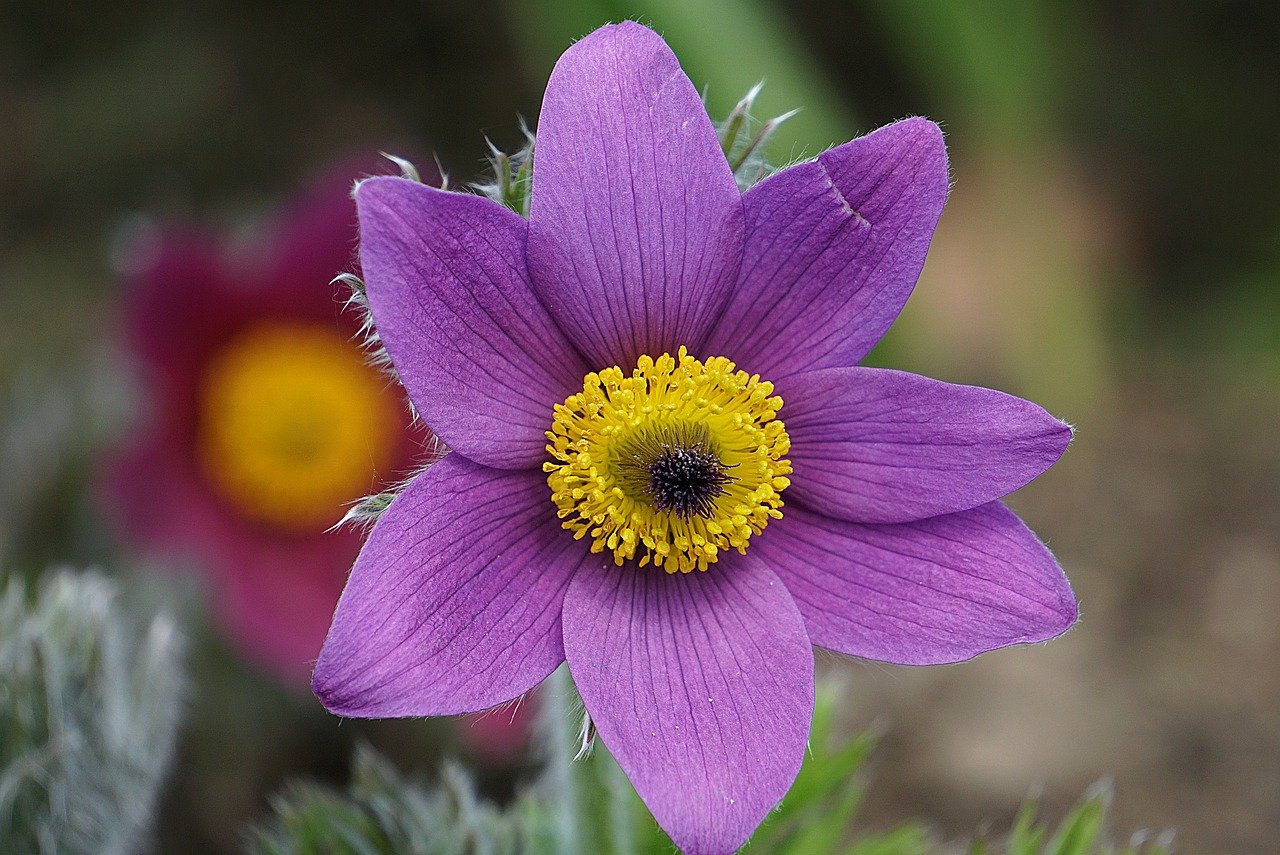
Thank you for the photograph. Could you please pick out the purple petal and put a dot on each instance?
(923, 593)
(454, 603)
(878, 446)
(833, 249)
(636, 224)
(480, 357)
(701, 686)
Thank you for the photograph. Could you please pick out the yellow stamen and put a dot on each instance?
(712, 420)
(293, 424)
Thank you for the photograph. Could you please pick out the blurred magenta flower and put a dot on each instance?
(262, 420)
(499, 737)
(578, 364)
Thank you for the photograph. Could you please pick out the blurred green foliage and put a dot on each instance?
(1081, 832)
(89, 709)
(384, 814)
(593, 811)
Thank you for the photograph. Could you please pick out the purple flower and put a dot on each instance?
(578, 364)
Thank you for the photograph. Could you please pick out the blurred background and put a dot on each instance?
(1111, 250)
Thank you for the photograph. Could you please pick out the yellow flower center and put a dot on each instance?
(293, 423)
(681, 460)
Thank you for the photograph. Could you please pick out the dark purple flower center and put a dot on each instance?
(687, 481)
(677, 469)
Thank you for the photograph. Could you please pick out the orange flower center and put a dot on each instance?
(293, 424)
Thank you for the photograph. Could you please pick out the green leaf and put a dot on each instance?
(909, 839)
(1026, 837)
(509, 181)
(1080, 830)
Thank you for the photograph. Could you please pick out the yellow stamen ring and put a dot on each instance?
(680, 460)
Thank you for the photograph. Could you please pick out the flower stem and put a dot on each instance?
(619, 806)
(560, 731)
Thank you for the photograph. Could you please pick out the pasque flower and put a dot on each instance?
(260, 422)
(668, 468)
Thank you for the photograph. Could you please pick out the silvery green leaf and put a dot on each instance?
(89, 708)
